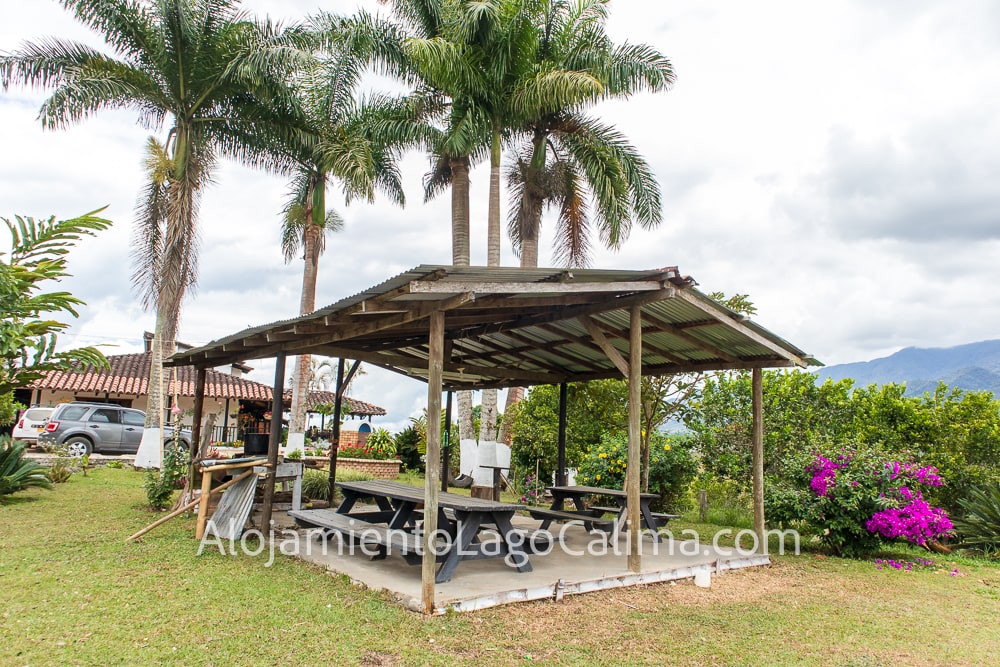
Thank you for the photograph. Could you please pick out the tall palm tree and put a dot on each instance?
(202, 68)
(342, 144)
(587, 170)
(583, 167)
(485, 57)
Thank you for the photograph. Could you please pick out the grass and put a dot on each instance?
(73, 592)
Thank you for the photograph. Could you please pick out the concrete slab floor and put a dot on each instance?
(579, 562)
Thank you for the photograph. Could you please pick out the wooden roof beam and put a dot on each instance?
(613, 354)
(742, 328)
(666, 327)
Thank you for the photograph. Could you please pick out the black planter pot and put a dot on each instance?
(255, 444)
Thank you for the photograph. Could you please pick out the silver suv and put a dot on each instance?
(100, 427)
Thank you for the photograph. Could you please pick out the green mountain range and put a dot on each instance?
(973, 367)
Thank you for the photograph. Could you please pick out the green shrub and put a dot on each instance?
(979, 528)
(16, 472)
(316, 483)
(294, 455)
(60, 471)
(408, 449)
(671, 467)
(114, 464)
(160, 485)
(381, 444)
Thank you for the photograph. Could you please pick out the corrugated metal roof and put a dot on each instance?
(513, 326)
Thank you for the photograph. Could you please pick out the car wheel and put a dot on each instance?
(78, 446)
(180, 445)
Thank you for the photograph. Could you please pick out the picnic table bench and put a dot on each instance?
(591, 516)
(662, 518)
(400, 509)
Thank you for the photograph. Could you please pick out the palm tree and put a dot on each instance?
(587, 156)
(341, 144)
(204, 69)
(490, 56)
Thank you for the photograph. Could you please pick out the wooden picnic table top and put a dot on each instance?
(415, 494)
(593, 491)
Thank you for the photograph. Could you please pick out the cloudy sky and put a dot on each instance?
(839, 162)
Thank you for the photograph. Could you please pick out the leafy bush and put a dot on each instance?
(382, 449)
(979, 528)
(316, 483)
(671, 467)
(729, 503)
(16, 472)
(160, 485)
(408, 449)
(855, 500)
(60, 471)
(381, 444)
(294, 455)
(115, 464)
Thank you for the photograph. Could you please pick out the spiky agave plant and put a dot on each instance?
(16, 472)
(980, 526)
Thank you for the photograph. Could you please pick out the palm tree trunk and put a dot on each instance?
(460, 257)
(311, 235)
(488, 416)
(529, 255)
(460, 211)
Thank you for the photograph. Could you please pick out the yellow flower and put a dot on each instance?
(620, 462)
(666, 448)
(597, 477)
(603, 455)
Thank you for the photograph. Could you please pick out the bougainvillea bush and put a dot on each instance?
(856, 500)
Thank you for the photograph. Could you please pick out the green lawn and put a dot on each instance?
(73, 592)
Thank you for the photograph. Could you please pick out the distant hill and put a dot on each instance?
(973, 367)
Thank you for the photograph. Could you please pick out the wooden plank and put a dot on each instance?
(455, 287)
(613, 354)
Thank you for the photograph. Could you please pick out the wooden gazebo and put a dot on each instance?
(475, 327)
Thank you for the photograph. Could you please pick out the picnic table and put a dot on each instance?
(394, 524)
(592, 517)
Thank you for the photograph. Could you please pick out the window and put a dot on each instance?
(105, 416)
(133, 418)
(73, 413)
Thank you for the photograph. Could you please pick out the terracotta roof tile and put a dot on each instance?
(129, 374)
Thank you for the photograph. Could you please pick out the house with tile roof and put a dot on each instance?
(239, 404)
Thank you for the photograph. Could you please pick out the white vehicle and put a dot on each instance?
(31, 422)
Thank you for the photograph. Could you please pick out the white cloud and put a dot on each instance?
(836, 161)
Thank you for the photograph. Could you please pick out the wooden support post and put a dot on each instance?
(195, 451)
(199, 409)
(277, 407)
(435, 368)
(206, 485)
(758, 458)
(703, 506)
(335, 445)
(634, 438)
(561, 452)
(446, 441)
